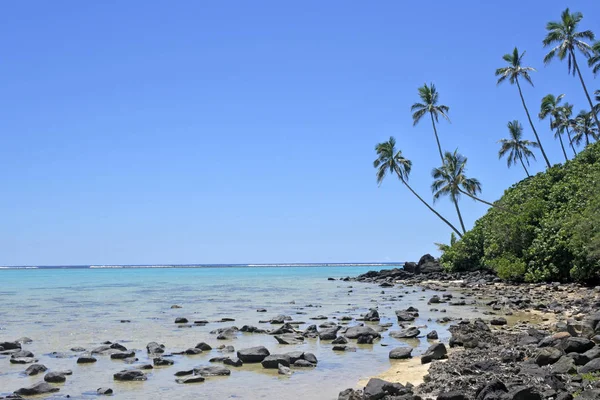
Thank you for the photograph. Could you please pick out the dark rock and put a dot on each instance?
(454, 395)
(55, 377)
(428, 265)
(23, 360)
(378, 389)
(434, 352)
(303, 363)
(193, 351)
(577, 345)
(401, 353)
(340, 340)
(283, 370)
(432, 335)
(130, 375)
(212, 370)
(272, 361)
(406, 333)
(86, 359)
(565, 365)
(77, 349)
(592, 366)
(492, 391)
(155, 348)
(328, 334)
(122, 355)
(104, 391)
(343, 347)
(35, 369)
(289, 338)
(405, 316)
(190, 379)
(162, 362)
(372, 315)
(499, 321)
(310, 357)
(365, 339)
(181, 320)
(350, 394)
(22, 354)
(523, 393)
(185, 373)
(203, 346)
(548, 355)
(38, 388)
(253, 354)
(10, 345)
(356, 331)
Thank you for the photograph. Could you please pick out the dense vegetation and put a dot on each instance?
(551, 233)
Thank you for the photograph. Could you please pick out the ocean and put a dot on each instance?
(60, 308)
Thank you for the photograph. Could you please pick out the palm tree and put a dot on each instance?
(388, 159)
(513, 72)
(584, 128)
(516, 147)
(594, 60)
(564, 34)
(565, 122)
(550, 106)
(429, 97)
(597, 106)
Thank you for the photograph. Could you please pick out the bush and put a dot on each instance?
(552, 231)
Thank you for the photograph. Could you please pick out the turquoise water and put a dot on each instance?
(63, 308)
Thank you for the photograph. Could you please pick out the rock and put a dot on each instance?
(55, 377)
(162, 362)
(406, 333)
(10, 345)
(329, 334)
(343, 347)
(193, 351)
(190, 379)
(340, 340)
(234, 362)
(577, 345)
(401, 353)
(434, 352)
(377, 389)
(35, 369)
(372, 315)
(181, 320)
(303, 364)
(454, 395)
(104, 391)
(428, 265)
(350, 394)
(130, 375)
(499, 321)
(432, 335)
(261, 310)
(122, 355)
(547, 356)
(280, 319)
(592, 366)
(310, 357)
(38, 388)
(253, 354)
(203, 346)
(24, 340)
(589, 394)
(212, 370)
(23, 360)
(86, 359)
(410, 267)
(523, 393)
(283, 370)
(565, 365)
(77, 349)
(184, 373)
(289, 338)
(405, 316)
(22, 354)
(492, 391)
(272, 361)
(155, 348)
(226, 349)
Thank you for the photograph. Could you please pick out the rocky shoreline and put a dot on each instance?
(556, 358)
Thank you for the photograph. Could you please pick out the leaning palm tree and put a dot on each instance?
(585, 128)
(551, 107)
(429, 104)
(513, 72)
(564, 35)
(516, 147)
(594, 60)
(597, 106)
(391, 160)
(565, 122)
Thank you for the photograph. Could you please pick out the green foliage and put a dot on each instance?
(551, 233)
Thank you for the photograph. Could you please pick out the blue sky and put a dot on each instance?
(137, 132)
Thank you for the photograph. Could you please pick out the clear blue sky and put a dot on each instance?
(241, 132)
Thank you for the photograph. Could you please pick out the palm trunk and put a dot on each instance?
(437, 138)
(532, 127)
(562, 145)
(487, 202)
(459, 214)
(571, 141)
(432, 210)
(592, 110)
(523, 164)
(587, 140)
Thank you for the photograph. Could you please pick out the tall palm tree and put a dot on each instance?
(584, 128)
(594, 60)
(597, 106)
(429, 104)
(564, 35)
(516, 147)
(565, 122)
(513, 72)
(551, 107)
(391, 160)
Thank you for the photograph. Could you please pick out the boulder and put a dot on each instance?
(104, 391)
(35, 369)
(350, 394)
(592, 366)
(23, 360)
(55, 377)
(155, 348)
(454, 395)
(289, 338)
(428, 265)
(283, 370)
(565, 365)
(10, 345)
(253, 354)
(577, 345)
(411, 332)
(547, 356)
(328, 334)
(523, 393)
(212, 370)
(372, 315)
(38, 388)
(122, 355)
(272, 361)
(162, 362)
(499, 321)
(22, 354)
(432, 335)
(434, 352)
(405, 316)
(493, 390)
(203, 346)
(130, 375)
(86, 359)
(401, 353)
(378, 389)
(310, 357)
(190, 379)
(410, 266)
(181, 320)
(303, 364)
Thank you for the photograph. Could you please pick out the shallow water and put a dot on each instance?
(63, 308)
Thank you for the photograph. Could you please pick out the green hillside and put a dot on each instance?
(549, 230)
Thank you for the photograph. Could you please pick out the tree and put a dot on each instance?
(550, 107)
(516, 147)
(391, 160)
(513, 72)
(584, 128)
(429, 104)
(565, 122)
(597, 106)
(564, 35)
(594, 60)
